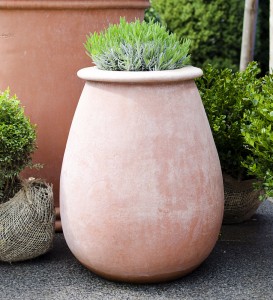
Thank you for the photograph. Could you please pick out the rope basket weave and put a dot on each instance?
(241, 200)
(27, 222)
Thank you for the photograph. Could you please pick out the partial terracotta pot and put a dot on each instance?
(141, 185)
(41, 48)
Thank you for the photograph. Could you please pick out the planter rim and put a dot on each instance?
(183, 74)
(72, 4)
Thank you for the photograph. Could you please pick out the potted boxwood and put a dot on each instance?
(258, 135)
(227, 95)
(140, 175)
(26, 206)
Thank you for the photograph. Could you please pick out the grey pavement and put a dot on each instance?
(240, 267)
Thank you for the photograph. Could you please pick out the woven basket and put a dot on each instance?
(241, 200)
(27, 222)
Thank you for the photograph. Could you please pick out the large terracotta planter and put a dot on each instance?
(141, 185)
(41, 48)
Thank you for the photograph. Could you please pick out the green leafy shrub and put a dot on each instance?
(137, 46)
(214, 27)
(258, 134)
(17, 143)
(227, 96)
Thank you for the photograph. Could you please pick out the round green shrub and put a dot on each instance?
(227, 96)
(258, 134)
(137, 46)
(17, 141)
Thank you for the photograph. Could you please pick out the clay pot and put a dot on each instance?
(141, 185)
(41, 46)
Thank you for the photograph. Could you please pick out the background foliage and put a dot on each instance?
(262, 37)
(215, 28)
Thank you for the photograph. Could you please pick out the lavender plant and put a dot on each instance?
(137, 46)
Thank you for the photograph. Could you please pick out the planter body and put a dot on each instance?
(141, 184)
(41, 48)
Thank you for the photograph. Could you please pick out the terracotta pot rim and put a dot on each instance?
(183, 74)
(72, 4)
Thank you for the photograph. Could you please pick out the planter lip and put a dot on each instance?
(72, 4)
(183, 74)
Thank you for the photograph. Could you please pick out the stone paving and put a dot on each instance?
(240, 267)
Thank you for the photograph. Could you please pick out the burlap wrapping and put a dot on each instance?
(241, 200)
(27, 222)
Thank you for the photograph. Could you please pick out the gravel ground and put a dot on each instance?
(240, 267)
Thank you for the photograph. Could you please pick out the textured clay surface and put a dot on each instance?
(141, 184)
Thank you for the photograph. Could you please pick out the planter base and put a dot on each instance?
(141, 279)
